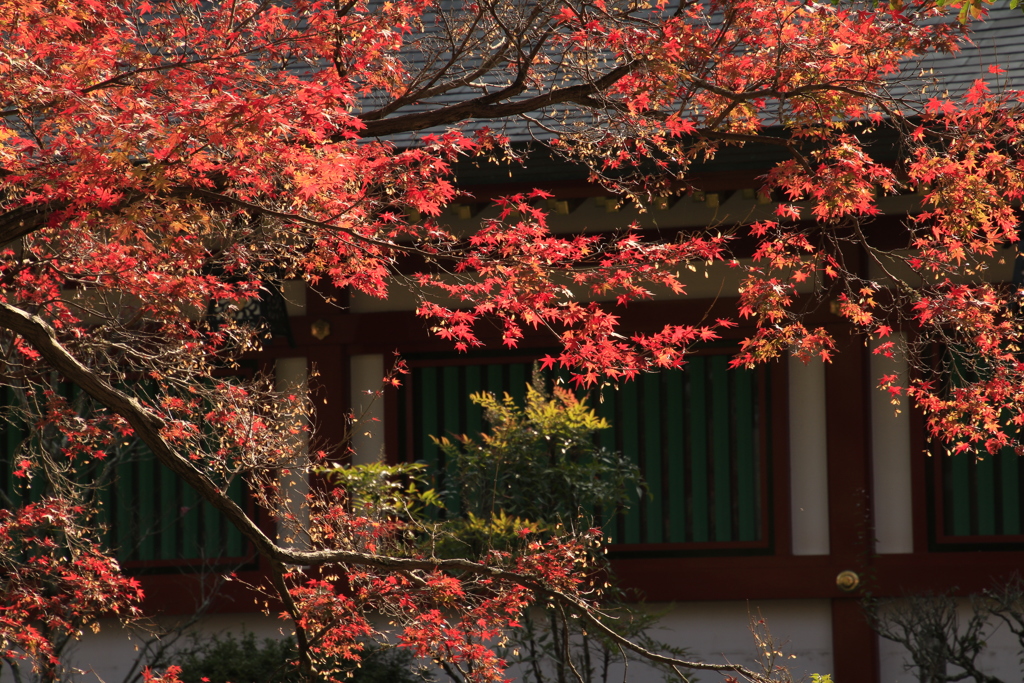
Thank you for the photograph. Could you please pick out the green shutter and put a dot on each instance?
(126, 504)
(981, 496)
(697, 407)
(745, 432)
(147, 512)
(653, 420)
(675, 437)
(170, 511)
(1009, 482)
(607, 408)
(721, 449)
(628, 427)
(234, 542)
(425, 383)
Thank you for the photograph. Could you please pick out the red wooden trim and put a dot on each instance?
(727, 577)
(848, 423)
(623, 549)
(581, 188)
(329, 381)
(941, 538)
(963, 572)
(463, 359)
(490, 355)
(410, 404)
(383, 332)
(325, 300)
(215, 564)
(179, 594)
(851, 527)
(767, 577)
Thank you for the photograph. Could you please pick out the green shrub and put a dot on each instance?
(538, 466)
(243, 659)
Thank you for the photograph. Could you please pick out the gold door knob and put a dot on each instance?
(847, 580)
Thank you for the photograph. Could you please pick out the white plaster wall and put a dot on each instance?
(1000, 658)
(294, 293)
(711, 631)
(719, 632)
(890, 452)
(291, 375)
(891, 266)
(808, 464)
(368, 409)
(704, 282)
(108, 656)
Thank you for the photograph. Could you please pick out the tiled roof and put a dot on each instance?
(998, 40)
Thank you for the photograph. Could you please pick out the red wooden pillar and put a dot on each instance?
(329, 389)
(848, 419)
(854, 644)
(329, 394)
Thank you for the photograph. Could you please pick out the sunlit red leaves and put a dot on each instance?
(814, 51)
(47, 592)
(168, 675)
(982, 416)
(489, 606)
(975, 403)
(844, 181)
(183, 154)
(969, 186)
(456, 616)
(215, 117)
(332, 622)
(525, 276)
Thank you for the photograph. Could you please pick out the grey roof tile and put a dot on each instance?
(998, 40)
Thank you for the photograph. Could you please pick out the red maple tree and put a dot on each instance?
(159, 155)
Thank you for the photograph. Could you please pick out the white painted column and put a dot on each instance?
(890, 460)
(294, 293)
(291, 376)
(367, 373)
(808, 458)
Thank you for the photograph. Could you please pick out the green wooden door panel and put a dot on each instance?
(653, 419)
(747, 462)
(628, 427)
(981, 496)
(698, 496)
(145, 512)
(1009, 482)
(675, 451)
